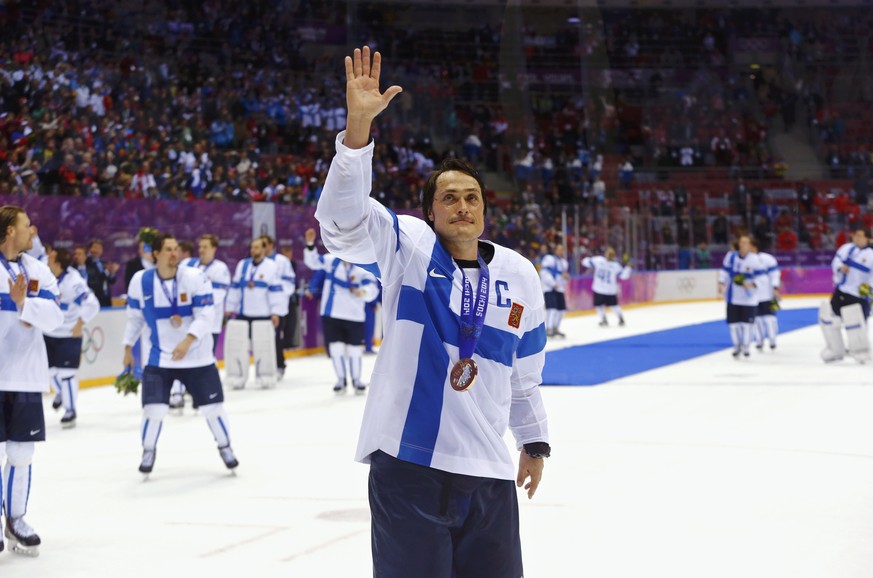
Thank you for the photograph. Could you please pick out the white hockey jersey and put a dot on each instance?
(150, 307)
(552, 269)
(256, 290)
(286, 274)
(748, 268)
(77, 302)
(412, 412)
(338, 299)
(23, 358)
(860, 263)
(606, 274)
(770, 278)
(219, 274)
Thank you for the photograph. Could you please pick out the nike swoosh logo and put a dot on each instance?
(33, 432)
(436, 275)
(213, 396)
(147, 298)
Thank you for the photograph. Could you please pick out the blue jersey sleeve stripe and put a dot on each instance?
(217, 285)
(855, 265)
(65, 306)
(276, 289)
(532, 342)
(133, 303)
(372, 268)
(81, 297)
(202, 300)
(45, 294)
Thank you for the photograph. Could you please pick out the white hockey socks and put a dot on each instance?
(356, 357)
(337, 351)
(153, 415)
(617, 310)
(550, 320)
(736, 334)
(216, 419)
(772, 328)
(16, 478)
(68, 384)
(746, 330)
(556, 325)
(760, 331)
(601, 311)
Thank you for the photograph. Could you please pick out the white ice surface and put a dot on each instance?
(705, 469)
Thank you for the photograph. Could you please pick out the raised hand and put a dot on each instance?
(363, 99)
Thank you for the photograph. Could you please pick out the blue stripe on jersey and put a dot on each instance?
(273, 288)
(242, 284)
(81, 297)
(532, 342)
(217, 285)
(45, 294)
(149, 313)
(133, 303)
(371, 268)
(65, 306)
(423, 417)
(850, 262)
(396, 228)
(331, 278)
(6, 303)
(167, 312)
(202, 300)
(730, 283)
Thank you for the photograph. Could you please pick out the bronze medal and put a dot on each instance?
(176, 321)
(251, 284)
(463, 374)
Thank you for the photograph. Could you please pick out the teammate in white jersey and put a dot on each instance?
(607, 272)
(175, 305)
(739, 278)
(347, 290)
(218, 274)
(64, 344)
(554, 275)
(849, 306)
(461, 359)
(288, 280)
(28, 308)
(257, 299)
(766, 324)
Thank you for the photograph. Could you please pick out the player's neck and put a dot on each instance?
(257, 260)
(204, 262)
(462, 250)
(9, 251)
(167, 271)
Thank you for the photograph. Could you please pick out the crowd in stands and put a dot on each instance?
(216, 101)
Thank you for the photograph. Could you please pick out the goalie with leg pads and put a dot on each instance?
(831, 328)
(852, 267)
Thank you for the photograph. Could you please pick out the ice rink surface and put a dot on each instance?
(709, 468)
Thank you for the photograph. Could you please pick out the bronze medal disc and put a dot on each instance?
(176, 321)
(251, 284)
(463, 374)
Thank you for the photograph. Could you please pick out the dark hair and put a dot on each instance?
(158, 241)
(268, 240)
(754, 242)
(94, 242)
(63, 258)
(212, 239)
(861, 230)
(8, 218)
(450, 164)
(187, 247)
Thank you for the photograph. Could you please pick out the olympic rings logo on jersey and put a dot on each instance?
(686, 284)
(93, 341)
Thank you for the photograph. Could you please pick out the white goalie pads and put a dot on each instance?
(236, 353)
(831, 325)
(264, 349)
(855, 325)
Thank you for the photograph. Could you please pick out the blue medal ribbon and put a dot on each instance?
(174, 306)
(473, 308)
(12, 273)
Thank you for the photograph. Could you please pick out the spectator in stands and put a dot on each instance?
(702, 256)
